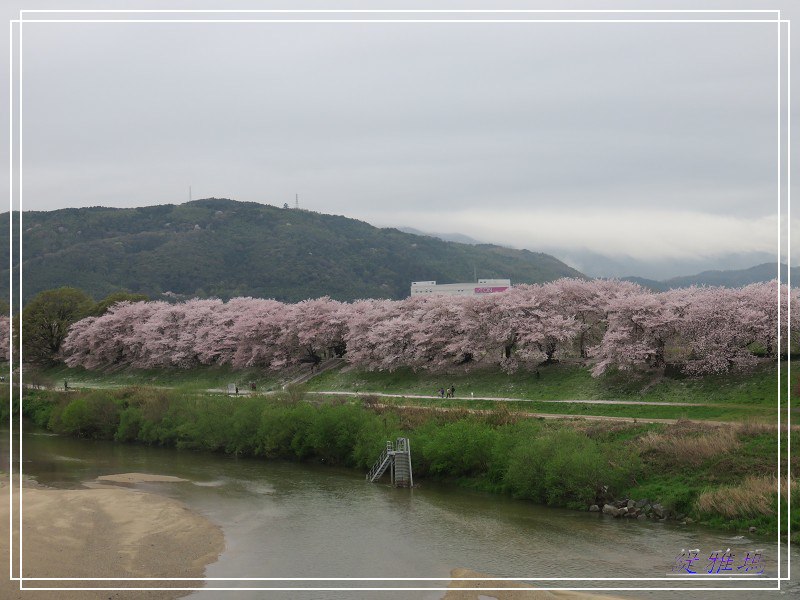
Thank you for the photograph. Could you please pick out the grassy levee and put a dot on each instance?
(691, 468)
(748, 395)
(567, 381)
(732, 413)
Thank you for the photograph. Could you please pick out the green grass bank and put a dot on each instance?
(722, 476)
(736, 397)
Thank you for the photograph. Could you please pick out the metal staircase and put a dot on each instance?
(398, 457)
(379, 468)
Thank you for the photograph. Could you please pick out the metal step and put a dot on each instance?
(398, 457)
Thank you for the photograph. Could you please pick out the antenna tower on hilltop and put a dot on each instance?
(297, 201)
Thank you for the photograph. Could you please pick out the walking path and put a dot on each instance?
(535, 415)
(496, 399)
(247, 392)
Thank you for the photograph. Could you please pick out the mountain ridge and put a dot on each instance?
(226, 248)
(722, 277)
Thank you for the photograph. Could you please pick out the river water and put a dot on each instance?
(299, 520)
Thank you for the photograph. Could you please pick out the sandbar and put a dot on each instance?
(138, 478)
(105, 532)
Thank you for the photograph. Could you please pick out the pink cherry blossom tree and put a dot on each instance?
(256, 333)
(5, 337)
(114, 339)
(312, 331)
(717, 330)
(587, 302)
(619, 324)
(539, 328)
(640, 325)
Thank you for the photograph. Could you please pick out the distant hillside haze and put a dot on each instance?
(225, 248)
(654, 267)
(732, 278)
(447, 237)
(732, 270)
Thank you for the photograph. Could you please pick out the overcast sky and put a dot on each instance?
(652, 141)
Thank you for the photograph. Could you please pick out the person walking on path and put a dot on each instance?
(452, 391)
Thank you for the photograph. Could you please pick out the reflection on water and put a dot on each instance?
(290, 520)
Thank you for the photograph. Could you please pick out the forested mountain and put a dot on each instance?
(224, 248)
(732, 278)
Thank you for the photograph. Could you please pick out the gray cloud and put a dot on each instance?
(485, 127)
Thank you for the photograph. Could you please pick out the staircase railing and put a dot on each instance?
(380, 466)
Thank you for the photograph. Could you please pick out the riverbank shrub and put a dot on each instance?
(458, 449)
(570, 464)
(373, 437)
(292, 393)
(333, 431)
(89, 415)
(563, 467)
(521, 457)
(130, 422)
(244, 428)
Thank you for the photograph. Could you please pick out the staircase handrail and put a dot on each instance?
(379, 464)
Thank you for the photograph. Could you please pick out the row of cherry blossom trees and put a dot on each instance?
(609, 324)
(5, 336)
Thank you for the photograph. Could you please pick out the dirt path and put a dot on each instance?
(533, 415)
(536, 415)
(496, 399)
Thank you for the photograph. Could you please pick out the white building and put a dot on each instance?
(484, 286)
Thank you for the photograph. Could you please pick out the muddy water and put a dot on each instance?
(293, 521)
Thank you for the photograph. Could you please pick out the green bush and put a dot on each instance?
(508, 438)
(333, 431)
(371, 439)
(203, 424)
(103, 415)
(562, 468)
(282, 431)
(130, 423)
(76, 418)
(457, 449)
(36, 406)
(292, 394)
(93, 415)
(244, 428)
